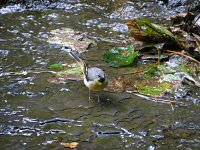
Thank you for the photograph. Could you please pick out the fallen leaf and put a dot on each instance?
(70, 72)
(118, 57)
(71, 145)
(120, 84)
(144, 30)
(178, 18)
(56, 66)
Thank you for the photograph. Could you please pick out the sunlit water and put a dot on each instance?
(37, 114)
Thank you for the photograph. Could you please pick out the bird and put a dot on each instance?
(95, 78)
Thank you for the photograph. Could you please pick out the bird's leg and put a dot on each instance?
(90, 98)
(89, 95)
(98, 99)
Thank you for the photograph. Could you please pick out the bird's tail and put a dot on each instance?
(81, 63)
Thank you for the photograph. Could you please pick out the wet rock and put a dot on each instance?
(68, 37)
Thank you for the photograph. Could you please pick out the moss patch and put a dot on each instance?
(155, 90)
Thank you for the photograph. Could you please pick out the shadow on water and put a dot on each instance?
(37, 114)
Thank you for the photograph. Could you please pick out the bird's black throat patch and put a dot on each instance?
(101, 80)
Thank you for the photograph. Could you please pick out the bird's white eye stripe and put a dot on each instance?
(101, 76)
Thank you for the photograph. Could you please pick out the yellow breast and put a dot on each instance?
(96, 85)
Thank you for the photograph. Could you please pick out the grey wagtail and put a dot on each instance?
(94, 78)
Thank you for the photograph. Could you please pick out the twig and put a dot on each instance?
(181, 54)
(158, 99)
(141, 72)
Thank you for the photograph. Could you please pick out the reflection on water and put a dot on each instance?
(37, 114)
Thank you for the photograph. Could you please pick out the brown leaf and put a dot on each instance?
(178, 18)
(71, 145)
(120, 84)
(55, 80)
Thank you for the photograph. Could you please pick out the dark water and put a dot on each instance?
(36, 114)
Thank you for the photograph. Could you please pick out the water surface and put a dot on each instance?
(36, 114)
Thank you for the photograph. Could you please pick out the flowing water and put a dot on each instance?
(36, 114)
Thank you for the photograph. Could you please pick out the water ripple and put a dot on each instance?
(56, 120)
(12, 8)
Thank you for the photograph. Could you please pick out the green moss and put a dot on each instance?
(151, 72)
(149, 90)
(154, 90)
(186, 68)
(166, 69)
